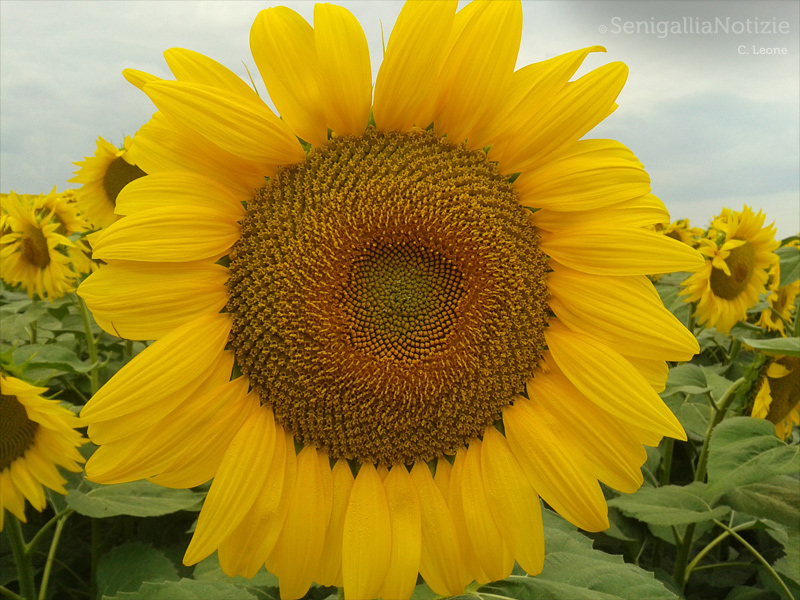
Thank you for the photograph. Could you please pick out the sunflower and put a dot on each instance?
(36, 436)
(32, 251)
(103, 176)
(434, 290)
(778, 397)
(682, 231)
(735, 272)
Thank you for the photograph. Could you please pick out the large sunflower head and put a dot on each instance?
(102, 177)
(36, 437)
(735, 273)
(777, 396)
(33, 252)
(420, 293)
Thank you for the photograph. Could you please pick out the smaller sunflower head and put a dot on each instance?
(102, 177)
(33, 251)
(738, 256)
(777, 397)
(37, 436)
(782, 302)
(682, 231)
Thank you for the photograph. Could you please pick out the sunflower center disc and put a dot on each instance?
(387, 296)
(34, 248)
(17, 431)
(741, 263)
(119, 174)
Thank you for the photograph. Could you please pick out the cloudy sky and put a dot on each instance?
(710, 107)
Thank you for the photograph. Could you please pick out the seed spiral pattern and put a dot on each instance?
(387, 296)
(17, 431)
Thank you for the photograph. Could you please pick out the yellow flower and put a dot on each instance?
(390, 303)
(103, 176)
(682, 231)
(36, 436)
(735, 272)
(32, 251)
(781, 302)
(778, 397)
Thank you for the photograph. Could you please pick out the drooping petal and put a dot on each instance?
(610, 381)
(193, 67)
(345, 78)
(282, 44)
(440, 561)
(455, 502)
(330, 568)
(367, 543)
(232, 494)
(514, 504)
(493, 555)
(414, 55)
(557, 472)
(405, 518)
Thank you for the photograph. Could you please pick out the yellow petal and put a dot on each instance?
(232, 493)
(244, 550)
(200, 458)
(345, 77)
(138, 78)
(644, 211)
(621, 312)
(440, 561)
(614, 453)
(619, 251)
(282, 43)
(330, 568)
(406, 528)
(610, 381)
(556, 471)
(299, 546)
(478, 71)
(193, 67)
(514, 504)
(145, 301)
(487, 541)
(592, 176)
(442, 477)
(178, 190)
(168, 235)
(455, 502)
(150, 377)
(367, 536)
(414, 55)
(565, 118)
(238, 124)
(161, 146)
(275, 521)
(654, 371)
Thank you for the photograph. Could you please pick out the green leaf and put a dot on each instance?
(670, 505)
(138, 498)
(185, 589)
(790, 346)
(51, 356)
(686, 378)
(790, 264)
(575, 570)
(124, 568)
(209, 570)
(789, 564)
(777, 499)
(744, 450)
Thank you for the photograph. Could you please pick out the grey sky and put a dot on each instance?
(715, 122)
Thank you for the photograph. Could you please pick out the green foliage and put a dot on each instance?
(137, 498)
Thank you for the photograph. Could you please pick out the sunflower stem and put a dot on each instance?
(27, 587)
(758, 557)
(7, 593)
(30, 548)
(684, 547)
(52, 554)
(710, 546)
(90, 342)
(736, 345)
(666, 465)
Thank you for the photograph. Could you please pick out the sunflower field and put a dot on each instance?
(412, 340)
